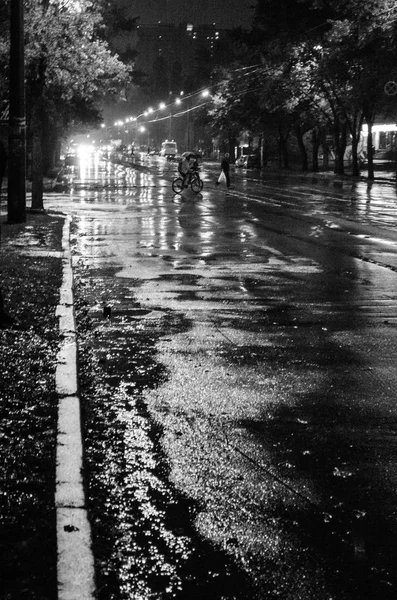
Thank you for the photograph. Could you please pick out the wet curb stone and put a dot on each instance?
(75, 563)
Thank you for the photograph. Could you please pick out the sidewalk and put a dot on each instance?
(30, 279)
(45, 541)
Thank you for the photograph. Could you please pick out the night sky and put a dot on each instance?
(225, 13)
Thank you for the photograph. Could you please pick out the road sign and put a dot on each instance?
(390, 88)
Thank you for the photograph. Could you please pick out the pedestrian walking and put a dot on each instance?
(225, 167)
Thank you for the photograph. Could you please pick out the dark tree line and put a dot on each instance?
(69, 70)
(310, 70)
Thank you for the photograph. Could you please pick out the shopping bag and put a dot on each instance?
(222, 178)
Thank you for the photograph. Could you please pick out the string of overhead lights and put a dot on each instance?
(202, 93)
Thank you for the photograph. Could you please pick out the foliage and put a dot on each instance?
(120, 24)
(72, 66)
(309, 64)
(69, 70)
(28, 408)
(66, 54)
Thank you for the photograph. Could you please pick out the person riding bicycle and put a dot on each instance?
(186, 167)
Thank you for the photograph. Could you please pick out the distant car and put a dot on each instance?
(71, 160)
(169, 149)
(248, 161)
(252, 161)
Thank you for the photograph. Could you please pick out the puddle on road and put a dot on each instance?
(145, 542)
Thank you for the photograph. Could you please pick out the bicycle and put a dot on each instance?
(194, 181)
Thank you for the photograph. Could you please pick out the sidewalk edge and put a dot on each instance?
(75, 561)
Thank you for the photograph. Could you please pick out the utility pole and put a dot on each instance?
(17, 118)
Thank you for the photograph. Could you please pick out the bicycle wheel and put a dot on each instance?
(196, 184)
(177, 185)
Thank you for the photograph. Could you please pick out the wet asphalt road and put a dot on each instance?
(241, 430)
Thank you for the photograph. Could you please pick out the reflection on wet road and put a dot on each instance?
(241, 425)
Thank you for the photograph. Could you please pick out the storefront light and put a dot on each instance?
(377, 128)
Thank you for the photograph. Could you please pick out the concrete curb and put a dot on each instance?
(75, 564)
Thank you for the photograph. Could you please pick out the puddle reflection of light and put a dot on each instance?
(243, 288)
(146, 196)
(102, 229)
(146, 179)
(119, 174)
(316, 230)
(148, 230)
(166, 231)
(178, 239)
(331, 225)
(364, 236)
(374, 202)
(163, 234)
(161, 197)
(247, 232)
(207, 236)
(131, 176)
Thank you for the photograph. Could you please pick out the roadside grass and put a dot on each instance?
(30, 285)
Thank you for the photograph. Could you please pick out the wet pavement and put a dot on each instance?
(237, 367)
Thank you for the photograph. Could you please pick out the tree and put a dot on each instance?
(228, 111)
(266, 93)
(69, 70)
(352, 63)
(119, 27)
(321, 66)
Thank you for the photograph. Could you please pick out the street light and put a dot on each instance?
(143, 129)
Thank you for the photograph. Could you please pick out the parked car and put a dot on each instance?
(71, 160)
(249, 161)
(253, 161)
